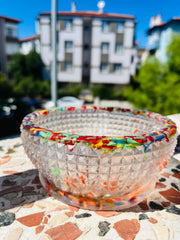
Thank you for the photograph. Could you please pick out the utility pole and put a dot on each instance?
(54, 52)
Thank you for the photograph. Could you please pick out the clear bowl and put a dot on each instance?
(98, 158)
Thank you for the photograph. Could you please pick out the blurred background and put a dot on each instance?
(109, 53)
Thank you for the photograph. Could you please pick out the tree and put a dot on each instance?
(17, 66)
(28, 87)
(5, 87)
(26, 65)
(158, 88)
(26, 71)
(34, 65)
(173, 54)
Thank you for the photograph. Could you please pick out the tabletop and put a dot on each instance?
(27, 212)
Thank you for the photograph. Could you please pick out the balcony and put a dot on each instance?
(153, 46)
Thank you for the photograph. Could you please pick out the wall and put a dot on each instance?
(124, 57)
(12, 47)
(45, 49)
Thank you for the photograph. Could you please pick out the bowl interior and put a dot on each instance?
(99, 123)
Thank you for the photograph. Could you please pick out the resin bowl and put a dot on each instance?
(98, 158)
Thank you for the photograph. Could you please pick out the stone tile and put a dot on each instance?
(165, 174)
(11, 189)
(176, 175)
(165, 204)
(45, 220)
(143, 216)
(49, 206)
(8, 182)
(28, 189)
(127, 229)
(174, 210)
(11, 195)
(17, 200)
(152, 220)
(172, 195)
(14, 234)
(83, 215)
(32, 219)
(160, 185)
(72, 208)
(70, 214)
(143, 205)
(6, 218)
(10, 172)
(36, 180)
(39, 229)
(60, 208)
(5, 159)
(64, 232)
(107, 213)
(156, 206)
(174, 185)
(104, 228)
(29, 205)
(57, 219)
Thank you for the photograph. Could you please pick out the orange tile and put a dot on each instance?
(32, 219)
(172, 195)
(64, 232)
(127, 229)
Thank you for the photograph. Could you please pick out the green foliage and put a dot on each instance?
(157, 84)
(71, 89)
(26, 65)
(26, 72)
(27, 86)
(103, 91)
(173, 53)
(5, 87)
(34, 65)
(17, 66)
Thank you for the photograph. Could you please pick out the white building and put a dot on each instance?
(93, 47)
(160, 36)
(29, 43)
(9, 43)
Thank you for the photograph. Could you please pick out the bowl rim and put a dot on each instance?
(102, 142)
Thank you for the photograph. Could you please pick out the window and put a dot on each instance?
(68, 66)
(9, 32)
(105, 26)
(118, 47)
(86, 28)
(86, 47)
(119, 27)
(86, 65)
(117, 67)
(104, 68)
(68, 25)
(68, 46)
(104, 47)
(132, 59)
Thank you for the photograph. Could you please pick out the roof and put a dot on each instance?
(91, 14)
(10, 19)
(161, 25)
(28, 38)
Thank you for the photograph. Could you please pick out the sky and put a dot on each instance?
(28, 10)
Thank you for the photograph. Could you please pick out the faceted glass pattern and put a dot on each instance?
(96, 174)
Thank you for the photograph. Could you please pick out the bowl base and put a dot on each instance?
(100, 203)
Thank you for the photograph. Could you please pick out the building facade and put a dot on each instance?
(93, 47)
(160, 36)
(28, 44)
(9, 43)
